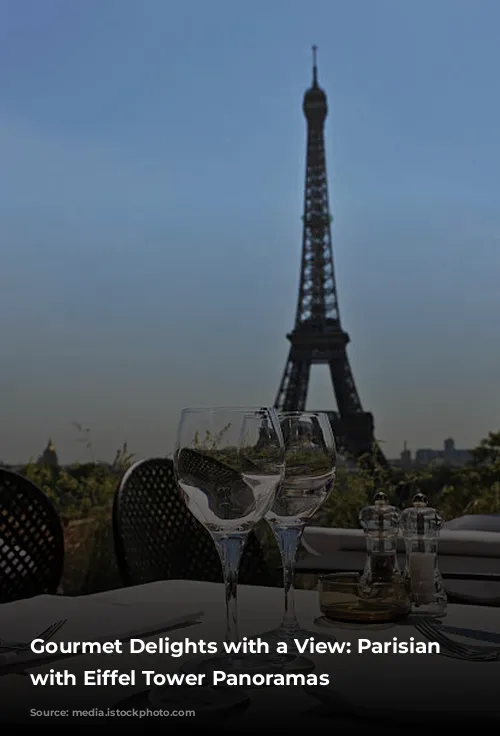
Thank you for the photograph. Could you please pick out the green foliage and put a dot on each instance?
(210, 442)
(473, 489)
(83, 495)
(77, 490)
(488, 451)
(267, 457)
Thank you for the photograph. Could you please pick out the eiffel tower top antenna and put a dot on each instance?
(315, 66)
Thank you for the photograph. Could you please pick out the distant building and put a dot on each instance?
(449, 455)
(405, 460)
(48, 458)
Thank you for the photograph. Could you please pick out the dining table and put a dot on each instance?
(368, 682)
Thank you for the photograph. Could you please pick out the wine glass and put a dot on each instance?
(311, 459)
(229, 464)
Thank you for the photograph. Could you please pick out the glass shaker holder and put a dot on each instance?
(380, 523)
(420, 526)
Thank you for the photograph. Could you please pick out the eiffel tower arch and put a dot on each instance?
(317, 336)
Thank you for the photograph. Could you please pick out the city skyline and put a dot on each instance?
(150, 206)
(408, 457)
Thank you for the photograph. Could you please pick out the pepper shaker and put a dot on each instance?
(420, 525)
(380, 523)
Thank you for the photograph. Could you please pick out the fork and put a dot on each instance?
(46, 634)
(451, 647)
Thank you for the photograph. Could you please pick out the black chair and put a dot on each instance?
(31, 540)
(157, 538)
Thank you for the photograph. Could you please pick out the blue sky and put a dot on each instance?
(150, 199)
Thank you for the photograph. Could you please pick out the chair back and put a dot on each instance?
(31, 540)
(157, 538)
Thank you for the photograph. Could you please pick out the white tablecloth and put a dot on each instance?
(369, 677)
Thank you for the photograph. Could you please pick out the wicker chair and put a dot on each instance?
(31, 540)
(157, 538)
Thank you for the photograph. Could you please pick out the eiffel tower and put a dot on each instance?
(318, 337)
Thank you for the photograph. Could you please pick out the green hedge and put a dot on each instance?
(83, 496)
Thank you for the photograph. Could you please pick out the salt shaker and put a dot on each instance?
(420, 526)
(380, 523)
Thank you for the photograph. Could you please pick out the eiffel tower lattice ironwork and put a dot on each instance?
(317, 337)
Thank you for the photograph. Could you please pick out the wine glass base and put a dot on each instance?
(259, 664)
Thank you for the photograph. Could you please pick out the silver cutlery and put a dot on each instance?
(450, 647)
(19, 646)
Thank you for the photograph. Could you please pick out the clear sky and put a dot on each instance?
(151, 183)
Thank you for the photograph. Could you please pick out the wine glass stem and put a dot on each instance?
(230, 548)
(288, 540)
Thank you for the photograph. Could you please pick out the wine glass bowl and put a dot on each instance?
(310, 457)
(227, 474)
